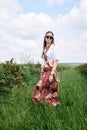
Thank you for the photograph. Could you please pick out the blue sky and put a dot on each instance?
(52, 10)
(23, 24)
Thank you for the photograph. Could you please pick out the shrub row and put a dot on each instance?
(82, 68)
(11, 74)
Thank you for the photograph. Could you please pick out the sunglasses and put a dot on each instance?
(49, 37)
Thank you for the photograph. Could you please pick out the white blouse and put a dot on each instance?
(51, 54)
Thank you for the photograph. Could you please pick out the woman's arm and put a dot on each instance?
(53, 70)
(41, 70)
(54, 67)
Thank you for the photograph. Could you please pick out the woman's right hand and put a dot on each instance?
(41, 74)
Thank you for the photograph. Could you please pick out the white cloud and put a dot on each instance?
(76, 19)
(19, 34)
(73, 30)
(30, 25)
(8, 9)
(22, 34)
(83, 5)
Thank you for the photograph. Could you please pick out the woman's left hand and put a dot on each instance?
(50, 78)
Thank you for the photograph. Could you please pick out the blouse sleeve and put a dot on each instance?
(55, 56)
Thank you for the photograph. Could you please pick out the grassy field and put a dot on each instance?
(18, 113)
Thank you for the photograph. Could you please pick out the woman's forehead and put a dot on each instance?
(49, 34)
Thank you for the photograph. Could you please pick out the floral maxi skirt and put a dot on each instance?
(44, 92)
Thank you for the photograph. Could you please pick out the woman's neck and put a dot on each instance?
(47, 46)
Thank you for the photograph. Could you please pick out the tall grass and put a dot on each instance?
(18, 113)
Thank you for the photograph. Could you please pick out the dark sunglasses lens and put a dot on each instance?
(49, 37)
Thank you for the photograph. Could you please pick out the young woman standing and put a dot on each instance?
(45, 89)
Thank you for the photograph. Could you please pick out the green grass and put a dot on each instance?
(18, 113)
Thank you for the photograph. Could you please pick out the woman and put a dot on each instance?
(47, 88)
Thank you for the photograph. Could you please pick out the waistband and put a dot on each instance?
(47, 69)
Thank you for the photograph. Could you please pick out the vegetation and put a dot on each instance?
(11, 74)
(17, 112)
(83, 69)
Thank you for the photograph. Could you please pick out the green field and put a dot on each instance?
(18, 113)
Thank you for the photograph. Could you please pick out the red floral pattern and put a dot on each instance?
(45, 92)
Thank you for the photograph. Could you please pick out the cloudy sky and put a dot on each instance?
(23, 24)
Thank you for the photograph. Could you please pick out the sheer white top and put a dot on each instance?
(51, 54)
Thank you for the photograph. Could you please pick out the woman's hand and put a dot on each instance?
(50, 78)
(41, 74)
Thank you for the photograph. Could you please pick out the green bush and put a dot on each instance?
(82, 68)
(11, 74)
(62, 67)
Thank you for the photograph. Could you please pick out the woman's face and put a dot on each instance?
(49, 38)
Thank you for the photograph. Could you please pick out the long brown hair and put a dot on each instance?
(44, 42)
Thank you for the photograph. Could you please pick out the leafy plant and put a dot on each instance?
(11, 74)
